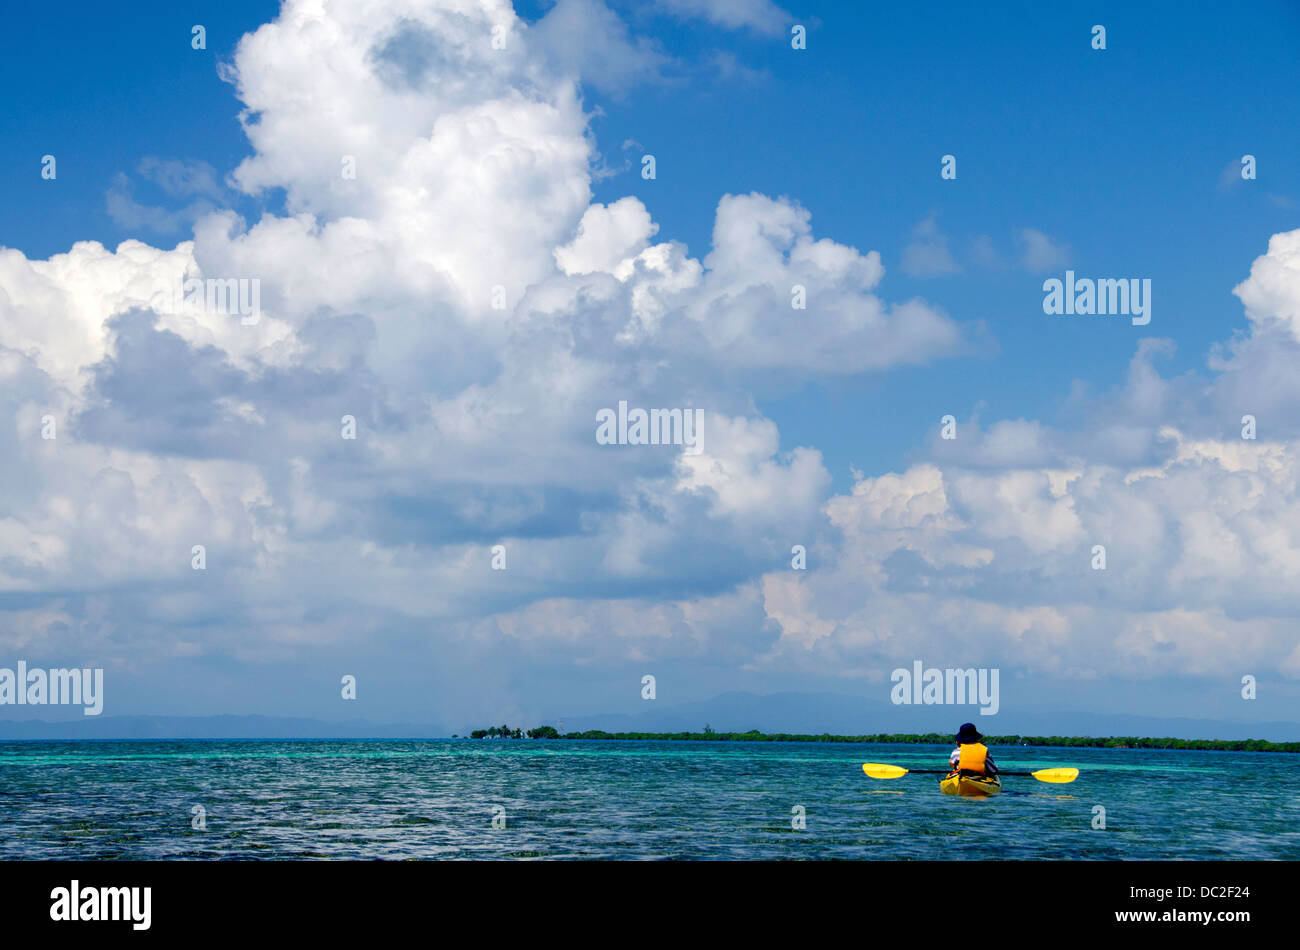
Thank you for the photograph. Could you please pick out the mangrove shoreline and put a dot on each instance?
(927, 738)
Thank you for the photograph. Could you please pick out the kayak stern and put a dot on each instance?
(970, 786)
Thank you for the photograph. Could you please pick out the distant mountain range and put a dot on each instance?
(729, 712)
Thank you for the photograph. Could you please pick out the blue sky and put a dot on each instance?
(1115, 163)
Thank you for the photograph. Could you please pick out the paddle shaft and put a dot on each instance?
(949, 772)
(1055, 776)
(929, 771)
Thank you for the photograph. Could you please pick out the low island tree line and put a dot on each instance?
(505, 732)
(910, 738)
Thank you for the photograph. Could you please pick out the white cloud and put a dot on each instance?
(742, 473)
(607, 236)
(476, 424)
(1271, 294)
(984, 556)
(473, 169)
(1197, 552)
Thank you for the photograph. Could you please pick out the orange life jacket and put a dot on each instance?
(972, 758)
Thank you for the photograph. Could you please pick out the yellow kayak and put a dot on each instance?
(970, 786)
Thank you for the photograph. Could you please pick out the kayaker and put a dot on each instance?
(971, 757)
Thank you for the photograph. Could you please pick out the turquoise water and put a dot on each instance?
(628, 800)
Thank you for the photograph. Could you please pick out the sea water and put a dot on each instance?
(528, 799)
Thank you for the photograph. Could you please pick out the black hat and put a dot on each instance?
(968, 733)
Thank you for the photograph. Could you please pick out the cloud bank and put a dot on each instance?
(442, 276)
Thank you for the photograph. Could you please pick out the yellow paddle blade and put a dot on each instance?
(883, 771)
(1057, 776)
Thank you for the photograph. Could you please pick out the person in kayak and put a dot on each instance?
(971, 757)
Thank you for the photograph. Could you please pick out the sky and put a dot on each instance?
(498, 269)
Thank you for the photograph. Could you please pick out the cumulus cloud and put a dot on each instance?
(989, 550)
(606, 237)
(441, 277)
(467, 305)
(1196, 550)
(1271, 294)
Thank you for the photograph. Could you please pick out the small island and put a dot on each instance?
(927, 738)
(505, 732)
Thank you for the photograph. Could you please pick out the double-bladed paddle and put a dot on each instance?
(1056, 776)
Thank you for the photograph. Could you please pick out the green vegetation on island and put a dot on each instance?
(928, 738)
(505, 732)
